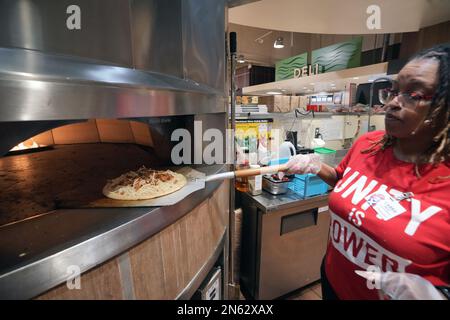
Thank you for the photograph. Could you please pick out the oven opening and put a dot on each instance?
(74, 163)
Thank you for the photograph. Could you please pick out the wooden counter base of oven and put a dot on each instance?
(162, 266)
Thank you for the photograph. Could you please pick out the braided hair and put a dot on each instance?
(439, 150)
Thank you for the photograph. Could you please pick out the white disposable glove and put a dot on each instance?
(402, 286)
(304, 163)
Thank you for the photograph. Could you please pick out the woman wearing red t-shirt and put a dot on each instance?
(390, 222)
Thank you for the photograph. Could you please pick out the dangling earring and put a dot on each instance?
(427, 122)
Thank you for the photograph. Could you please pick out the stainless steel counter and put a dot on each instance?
(35, 253)
(284, 239)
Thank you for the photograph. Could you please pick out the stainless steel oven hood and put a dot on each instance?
(130, 58)
(41, 86)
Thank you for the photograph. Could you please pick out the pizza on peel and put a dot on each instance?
(144, 184)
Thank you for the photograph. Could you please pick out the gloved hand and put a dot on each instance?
(304, 163)
(402, 286)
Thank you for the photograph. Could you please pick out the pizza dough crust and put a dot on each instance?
(144, 184)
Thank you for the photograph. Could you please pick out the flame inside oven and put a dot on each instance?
(26, 145)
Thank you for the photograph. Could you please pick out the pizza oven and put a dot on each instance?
(66, 167)
(82, 105)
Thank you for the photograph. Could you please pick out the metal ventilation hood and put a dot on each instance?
(135, 58)
(40, 86)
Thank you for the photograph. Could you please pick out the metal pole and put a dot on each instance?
(233, 92)
(232, 284)
(386, 39)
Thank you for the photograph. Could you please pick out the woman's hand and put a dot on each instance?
(311, 163)
(402, 286)
(304, 163)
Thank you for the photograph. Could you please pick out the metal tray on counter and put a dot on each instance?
(275, 186)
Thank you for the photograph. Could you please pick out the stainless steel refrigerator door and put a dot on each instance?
(291, 260)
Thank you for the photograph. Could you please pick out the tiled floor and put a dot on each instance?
(311, 292)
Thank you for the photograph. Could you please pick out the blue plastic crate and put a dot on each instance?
(308, 185)
(273, 162)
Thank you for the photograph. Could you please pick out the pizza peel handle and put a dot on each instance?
(262, 170)
(247, 172)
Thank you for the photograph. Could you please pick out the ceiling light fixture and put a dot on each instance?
(278, 44)
(273, 92)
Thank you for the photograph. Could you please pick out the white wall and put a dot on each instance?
(306, 127)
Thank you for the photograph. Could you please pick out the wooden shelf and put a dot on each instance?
(316, 114)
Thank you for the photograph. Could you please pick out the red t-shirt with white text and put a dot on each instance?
(415, 241)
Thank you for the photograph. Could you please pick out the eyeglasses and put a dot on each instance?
(408, 99)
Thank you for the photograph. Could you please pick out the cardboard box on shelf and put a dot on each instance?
(277, 103)
(267, 100)
(295, 101)
(303, 102)
(249, 99)
(285, 104)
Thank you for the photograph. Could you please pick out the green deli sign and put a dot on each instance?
(284, 69)
(338, 56)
